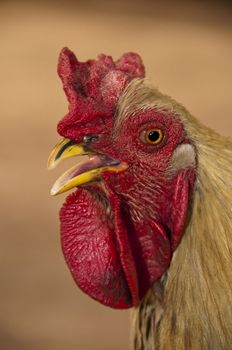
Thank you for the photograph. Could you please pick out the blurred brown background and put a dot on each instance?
(187, 51)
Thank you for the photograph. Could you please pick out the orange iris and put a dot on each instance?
(154, 136)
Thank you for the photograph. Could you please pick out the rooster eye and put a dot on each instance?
(152, 136)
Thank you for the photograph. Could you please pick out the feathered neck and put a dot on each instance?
(195, 308)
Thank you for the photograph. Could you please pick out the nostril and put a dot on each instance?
(90, 138)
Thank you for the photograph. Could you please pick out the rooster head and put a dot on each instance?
(120, 227)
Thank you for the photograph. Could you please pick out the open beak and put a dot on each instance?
(85, 170)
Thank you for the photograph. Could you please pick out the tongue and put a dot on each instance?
(92, 253)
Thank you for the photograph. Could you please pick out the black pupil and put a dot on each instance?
(154, 135)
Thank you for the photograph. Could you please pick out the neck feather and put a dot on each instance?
(196, 306)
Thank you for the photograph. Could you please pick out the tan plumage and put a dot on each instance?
(190, 308)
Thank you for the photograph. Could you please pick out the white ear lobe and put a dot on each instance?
(183, 157)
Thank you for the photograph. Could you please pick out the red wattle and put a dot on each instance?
(127, 258)
(111, 258)
(90, 250)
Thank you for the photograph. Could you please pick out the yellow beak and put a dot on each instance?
(84, 171)
(64, 149)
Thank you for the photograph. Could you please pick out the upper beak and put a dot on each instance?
(65, 149)
(84, 171)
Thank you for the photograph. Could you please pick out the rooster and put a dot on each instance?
(149, 225)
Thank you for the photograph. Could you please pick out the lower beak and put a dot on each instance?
(84, 171)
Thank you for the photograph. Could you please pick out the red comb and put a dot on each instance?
(93, 87)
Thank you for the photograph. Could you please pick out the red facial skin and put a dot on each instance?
(116, 256)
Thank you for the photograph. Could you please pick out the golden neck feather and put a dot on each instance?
(196, 307)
